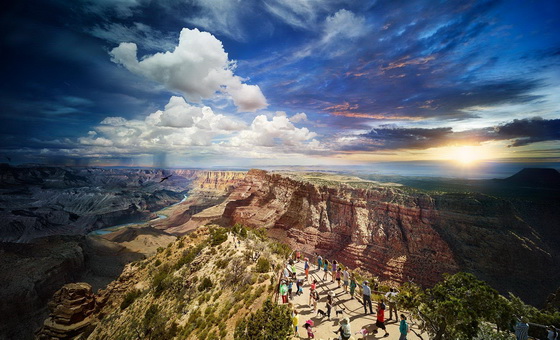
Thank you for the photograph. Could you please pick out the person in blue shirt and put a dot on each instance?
(366, 294)
(403, 328)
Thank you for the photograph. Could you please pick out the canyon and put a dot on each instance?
(396, 233)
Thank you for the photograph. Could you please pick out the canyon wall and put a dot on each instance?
(400, 235)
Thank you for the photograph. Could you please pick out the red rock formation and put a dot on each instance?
(382, 230)
(71, 310)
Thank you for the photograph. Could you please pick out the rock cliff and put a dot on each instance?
(399, 235)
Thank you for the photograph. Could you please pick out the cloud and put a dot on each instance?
(198, 67)
(344, 24)
(122, 8)
(138, 33)
(520, 132)
(277, 132)
(221, 16)
(299, 117)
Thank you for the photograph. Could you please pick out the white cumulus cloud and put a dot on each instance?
(198, 67)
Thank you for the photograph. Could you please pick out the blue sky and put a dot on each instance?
(279, 82)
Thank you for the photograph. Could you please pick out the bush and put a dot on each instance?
(129, 298)
(218, 236)
(188, 256)
(205, 284)
(281, 249)
(239, 230)
(263, 265)
(270, 322)
(161, 281)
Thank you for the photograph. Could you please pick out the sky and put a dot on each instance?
(242, 83)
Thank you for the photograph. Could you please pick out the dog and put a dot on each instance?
(321, 312)
(339, 312)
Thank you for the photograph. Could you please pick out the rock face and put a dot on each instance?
(398, 235)
(42, 201)
(31, 273)
(70, 312)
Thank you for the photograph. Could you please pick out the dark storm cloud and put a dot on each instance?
(519, 131)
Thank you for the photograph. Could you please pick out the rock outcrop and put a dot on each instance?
(71, 310)
(399, 235)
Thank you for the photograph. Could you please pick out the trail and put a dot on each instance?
(353, 309)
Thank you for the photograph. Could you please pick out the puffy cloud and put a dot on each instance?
(278, 131)
(198, 67)
(344, 24)
(299, 117)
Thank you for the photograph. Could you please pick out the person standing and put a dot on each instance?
(295, 322)
(306, 268)
(311, 289)
(284, 291)
(391, 297)
(521, 329)
(334, 268)
(345, 279)
(403, 328)
(319, 262)
(338, 275)
(325, 269)
(353, 285)
(366, 294)
(329, 304)
(308, 325)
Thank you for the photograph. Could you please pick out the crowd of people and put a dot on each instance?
(345, 280)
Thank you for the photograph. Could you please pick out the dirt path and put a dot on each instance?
(353, 309)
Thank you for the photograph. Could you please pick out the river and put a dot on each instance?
(114, 228)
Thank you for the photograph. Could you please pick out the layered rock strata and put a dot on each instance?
(399, 235)
(71, 310)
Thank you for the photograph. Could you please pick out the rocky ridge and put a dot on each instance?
(399, 235)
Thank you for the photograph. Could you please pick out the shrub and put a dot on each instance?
(129, 298)
(270, 322)
(263, 265)
(157, 263)
(205, 284)
(161, 281)
(218, 236)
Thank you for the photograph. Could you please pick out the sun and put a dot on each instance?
(466, 155)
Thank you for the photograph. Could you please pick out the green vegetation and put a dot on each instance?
(263, 265)
(154, 325)
(463, 307)
(239, 230)
(270, 322)
(130, 297)
(161, 280)
(218, 235)
(205, 284)
(281, 249)
(188, 256)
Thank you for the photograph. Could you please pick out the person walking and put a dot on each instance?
(521, 329)
(311, 290)
(353, 285)
(319, 262)
(391, 297)
(308, 325)
(325, 269)
(315, 299)
(403, 328)
(334, 268)
(380, 322)
(366, 294)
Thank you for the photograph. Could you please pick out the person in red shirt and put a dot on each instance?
(380, 323)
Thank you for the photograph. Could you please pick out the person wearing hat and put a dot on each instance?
(521, 329)
(308, 326)
(366, 294)
(344, 330)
